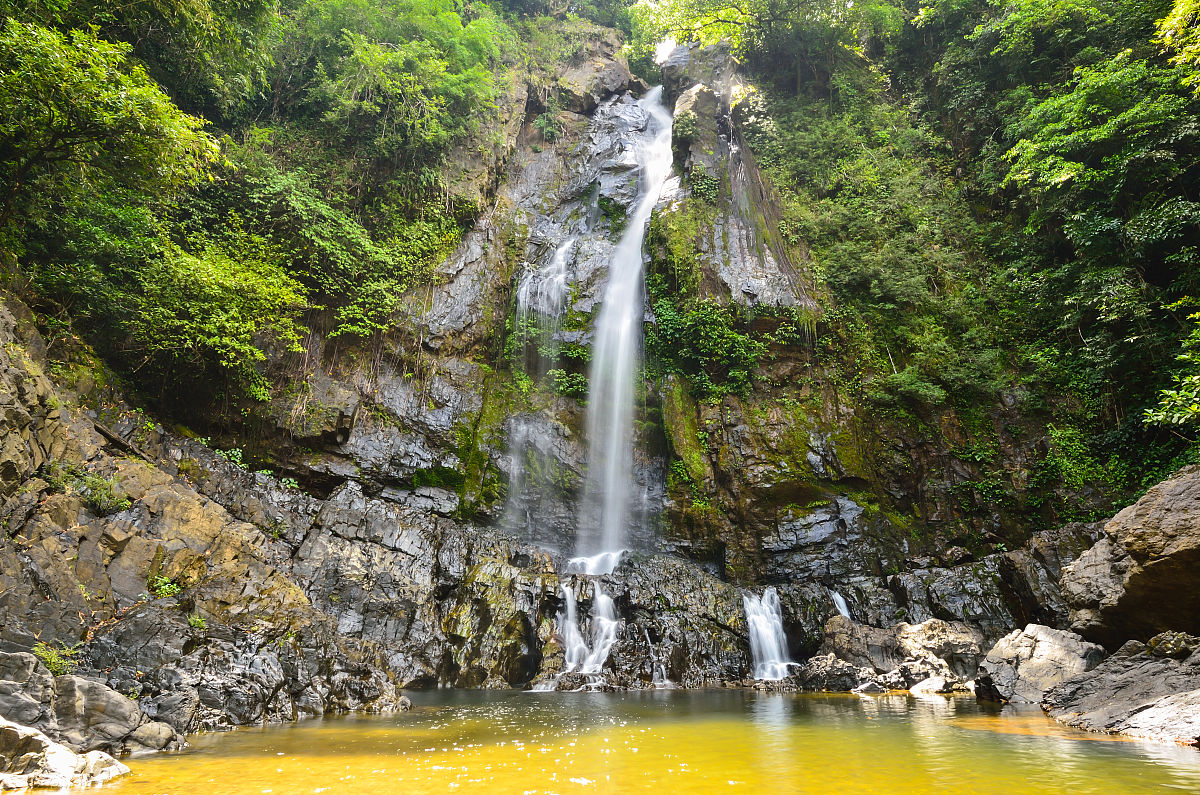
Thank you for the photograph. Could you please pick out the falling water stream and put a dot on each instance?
(617, 348)
(617, 351)
(839, 603)
(768, 644)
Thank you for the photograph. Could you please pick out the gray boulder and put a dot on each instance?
(90, 715)
(826, 672)
(933, 646)
(1143, 576)
(1027, 663)
(82, 714)
(29, 759)
(861, 645)
(26, 691)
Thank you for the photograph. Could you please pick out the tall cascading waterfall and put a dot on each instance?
(768, 644)
(616, 356)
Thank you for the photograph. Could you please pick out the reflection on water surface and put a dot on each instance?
(673, 741)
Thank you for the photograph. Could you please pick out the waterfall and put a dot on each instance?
(768, 644)
(578, 655)
(839, 602)
(605, 510)
(617, 347)
(541, 297)
(544, 290)
(658, 666)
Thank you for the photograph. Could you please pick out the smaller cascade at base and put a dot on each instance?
(602, 563)
(658, 667)
(768, 644)
(578, 655)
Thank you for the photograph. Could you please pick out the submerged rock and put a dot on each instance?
(1023, 665)
(30, 759)
(1143, 690)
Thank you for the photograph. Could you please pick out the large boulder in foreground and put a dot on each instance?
(1144, 690)
(29, 759)
(1143, 576)
(933, 656)
(1026, 663)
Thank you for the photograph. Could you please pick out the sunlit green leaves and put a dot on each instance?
(1116, 128)
(74, 109)
(1179, 33)
(213, 307)
(1180, 404)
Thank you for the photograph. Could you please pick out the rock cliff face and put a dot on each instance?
(154, 590)
(215, 596)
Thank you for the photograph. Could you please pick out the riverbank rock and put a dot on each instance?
(909, 652)
(1143, 576)
(827, 673)
(82, 714)
(1023, 665)
(31, 760)
(1147, 690)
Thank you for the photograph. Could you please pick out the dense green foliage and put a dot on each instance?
(998, 196)
(77, 114)
(309, 184)
(692, 335)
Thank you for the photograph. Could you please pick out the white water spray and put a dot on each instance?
(579, 655)
(768, 644)
(617, 352)
(658, 666)
(541, 298)
(544, 290)
(839, 602)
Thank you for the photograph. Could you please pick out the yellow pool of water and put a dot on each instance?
(670, 742)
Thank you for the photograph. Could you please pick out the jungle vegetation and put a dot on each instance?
(998, 195)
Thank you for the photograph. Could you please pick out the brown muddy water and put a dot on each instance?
(670, 742)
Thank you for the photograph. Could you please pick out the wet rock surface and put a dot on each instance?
(1149, 690)
(865, 659)
(1023, 665)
